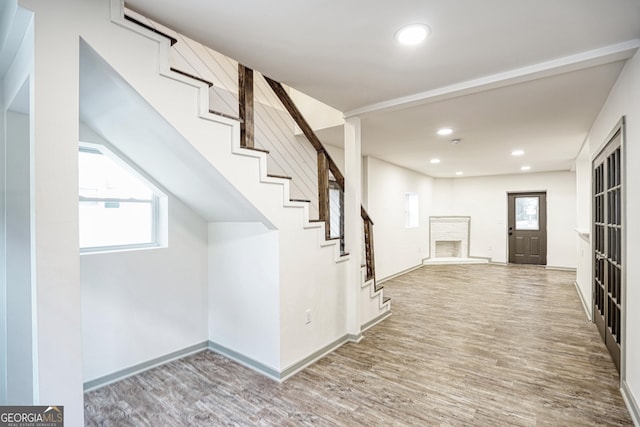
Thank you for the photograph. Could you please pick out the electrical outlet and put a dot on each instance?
(307, 317)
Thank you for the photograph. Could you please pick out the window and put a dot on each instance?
(411, 210)
(119, 209)
(527, 213)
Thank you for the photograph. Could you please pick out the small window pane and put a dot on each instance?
(101, 177)
(411, 210)
(527, 213)
(115, 224)
(117, 207)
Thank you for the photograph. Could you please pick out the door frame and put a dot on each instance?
(524, 193)
(620, 126)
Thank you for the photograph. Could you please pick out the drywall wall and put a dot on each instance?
(17, 369)
(139, 305)
(337, 155)
(313, 279)
(55, 269)
(485, 200)
(624, 100)
(20, 369)
(583, 230)
(3, 263)
(262, 283)
(243, 291)
(397, 248)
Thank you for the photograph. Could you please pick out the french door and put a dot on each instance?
(607, 245)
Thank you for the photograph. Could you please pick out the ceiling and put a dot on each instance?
(504, 75)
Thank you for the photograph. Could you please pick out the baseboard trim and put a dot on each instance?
(373, 322)
(291, 370)
(244, 360)
(314, 357)
(630, 401)
(403, 272)
(141, 367)
(233, 355)
(558, 268)
(455, 261)
(584, 303)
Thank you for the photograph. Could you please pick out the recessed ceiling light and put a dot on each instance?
(455, 141)
(517, 152)
(445, 131)
(411, 35)
(459, 173)
(435, 161)
(525, 168)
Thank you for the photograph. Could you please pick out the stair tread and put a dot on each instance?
(300, 200)
(184, 73)
(262, 150)
(344, 254)
(173, 40)
(217, 113)
(278, 176)
(378, 288)
(386, 300)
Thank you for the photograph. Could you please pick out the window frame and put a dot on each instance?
(154, 202)
(411, 200)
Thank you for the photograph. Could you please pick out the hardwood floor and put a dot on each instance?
(476, 345)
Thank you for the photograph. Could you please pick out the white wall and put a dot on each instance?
(624, 100)
(17, 352)
(261, 283)
(20, 369)
(485, 200)
(3, 240)
(139, 305)
(583, 219)
(482, 198)
(397, 248)
(311, 278)
(55, 205)
(243, 290)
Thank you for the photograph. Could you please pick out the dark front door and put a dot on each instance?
(607, 245)
(528, 228)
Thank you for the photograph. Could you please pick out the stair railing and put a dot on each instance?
(328, 171)
(263, 128)
(370, 267)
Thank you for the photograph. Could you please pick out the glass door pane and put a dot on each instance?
(527, 209)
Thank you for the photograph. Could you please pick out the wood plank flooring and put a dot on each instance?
(476, 345)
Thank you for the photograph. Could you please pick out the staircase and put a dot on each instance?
(275, 312)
